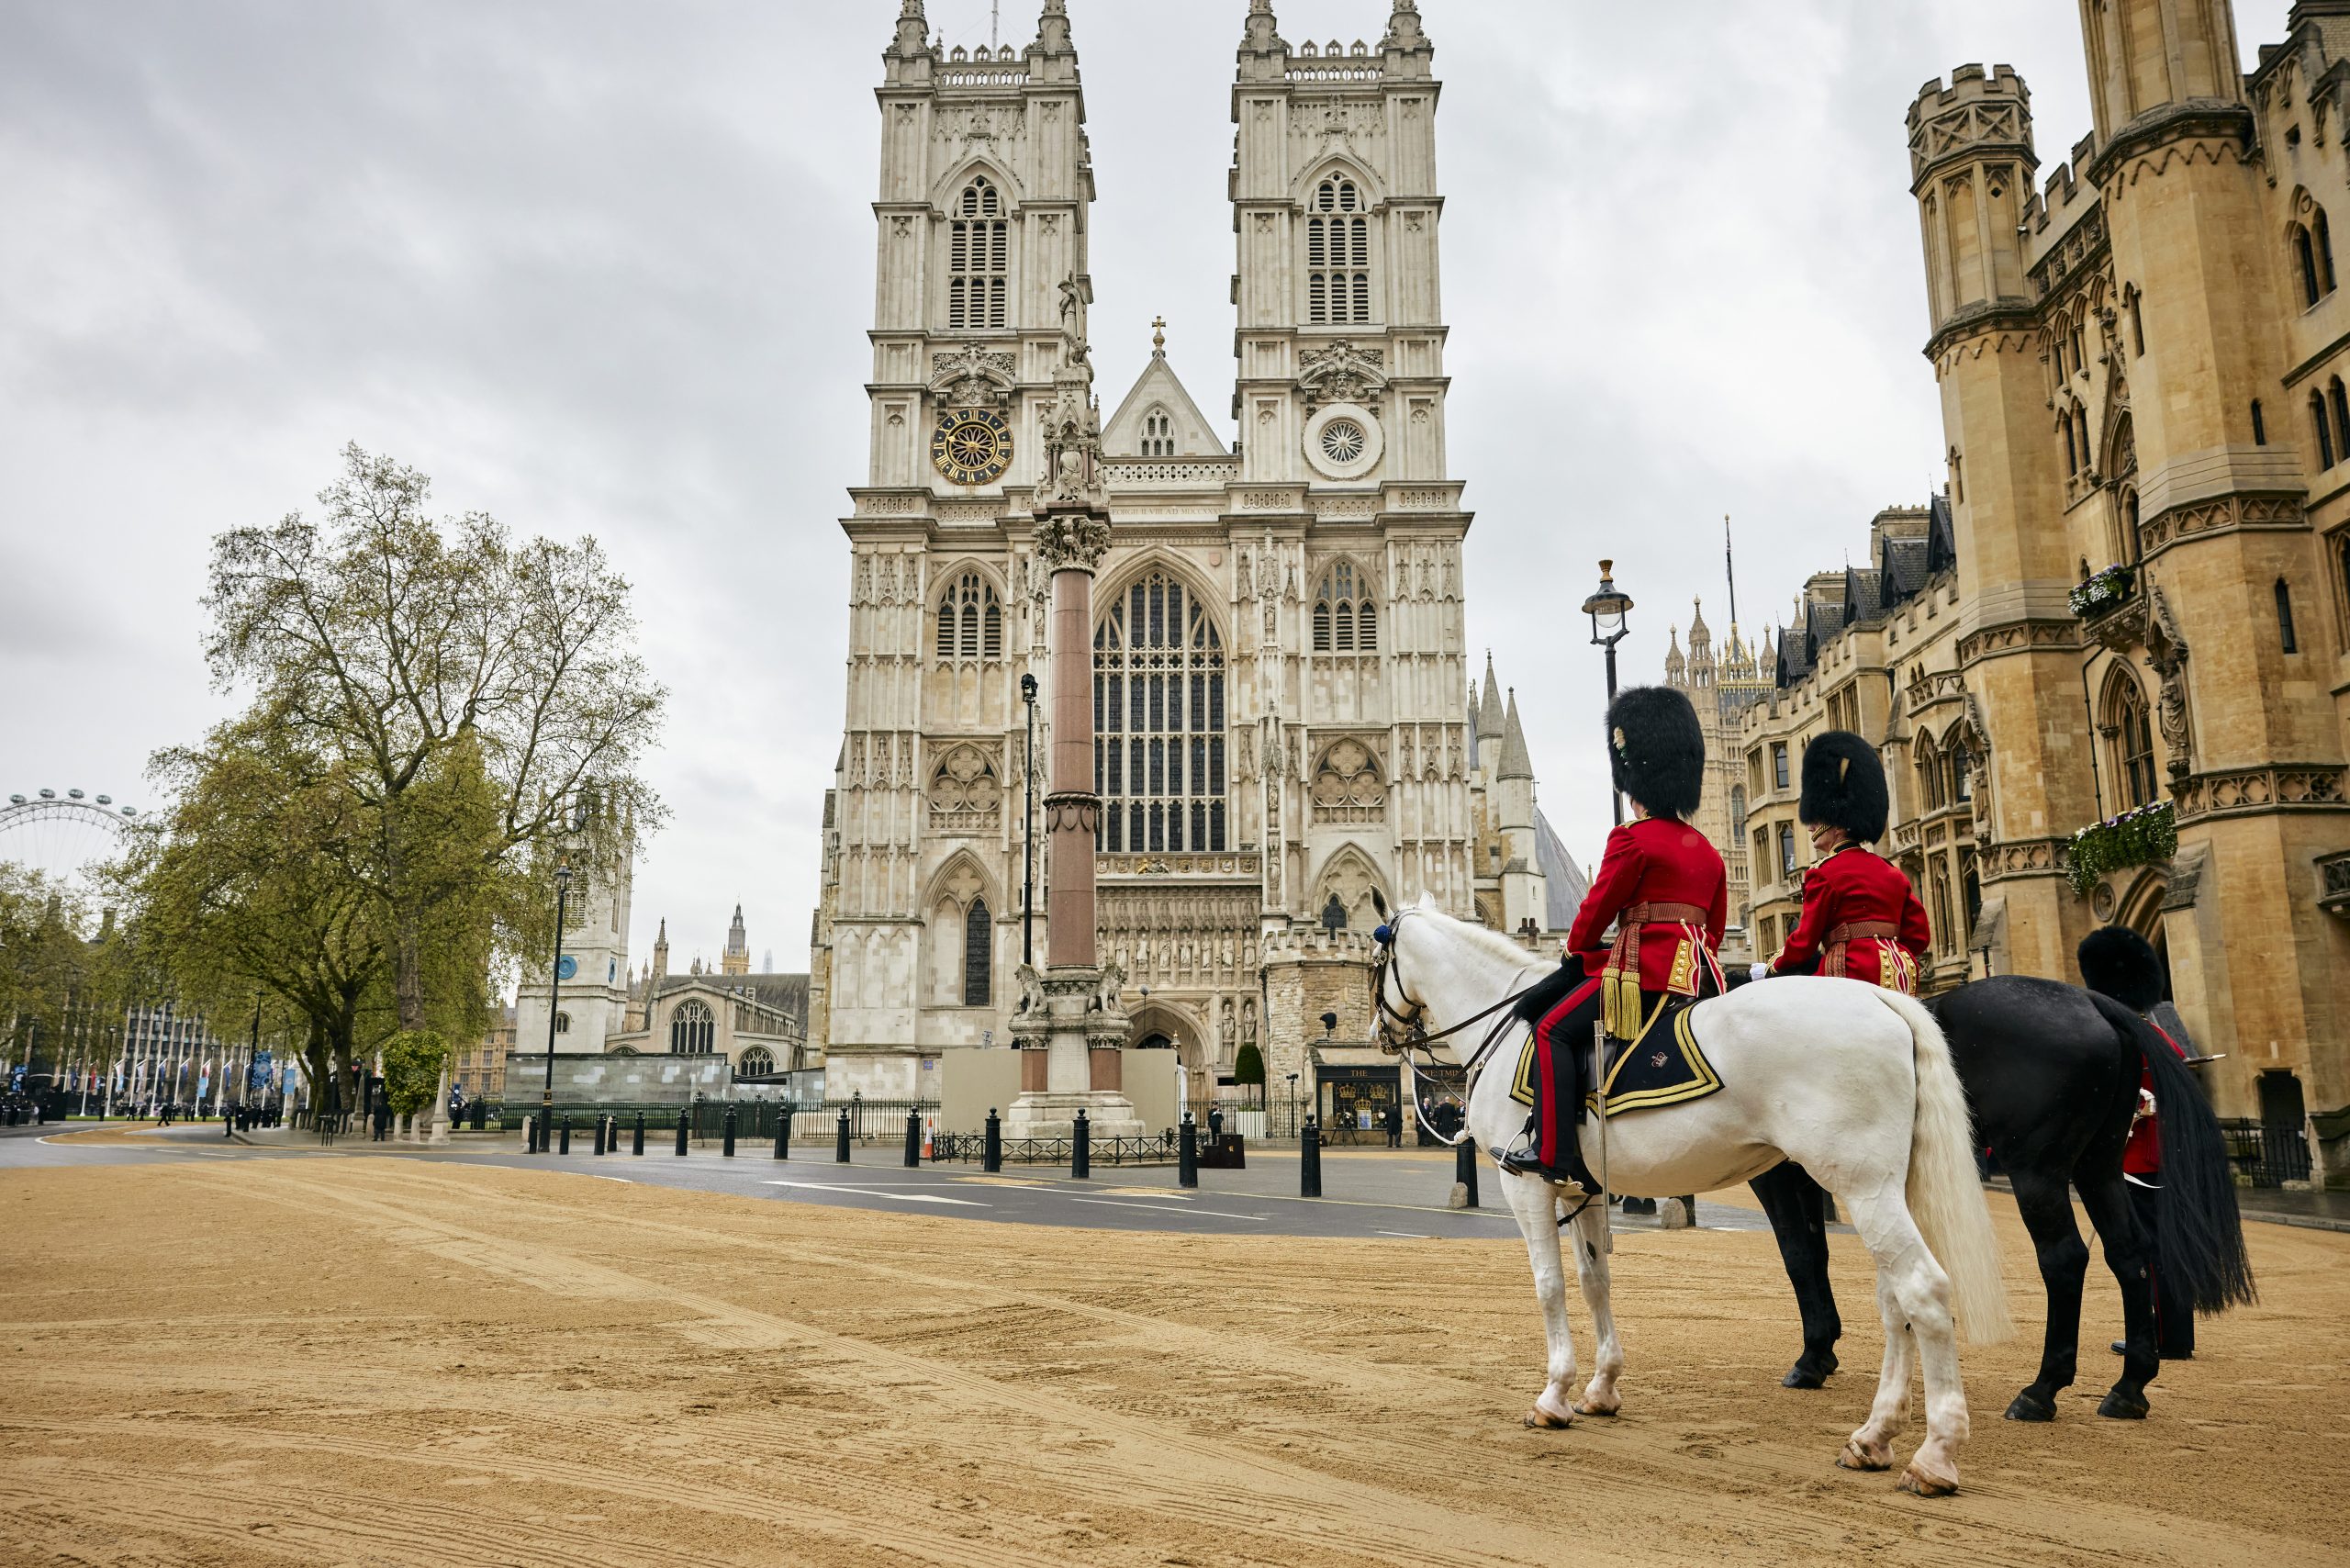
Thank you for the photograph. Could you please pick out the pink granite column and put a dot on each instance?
(1070, 804)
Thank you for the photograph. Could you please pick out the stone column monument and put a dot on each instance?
(1070, 1024)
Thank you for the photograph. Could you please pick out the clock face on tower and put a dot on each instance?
(971, 446)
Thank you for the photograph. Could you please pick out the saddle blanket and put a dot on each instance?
(1664, 1066)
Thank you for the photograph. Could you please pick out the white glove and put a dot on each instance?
(1758, 971)
(2145, 1106)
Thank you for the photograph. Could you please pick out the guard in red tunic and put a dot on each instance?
(1861, 917)
(1662, 885)
(2118, 962)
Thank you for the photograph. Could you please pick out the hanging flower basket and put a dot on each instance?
(2102, 592)
(2134, 838)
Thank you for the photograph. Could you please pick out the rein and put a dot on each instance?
(1415, 1035)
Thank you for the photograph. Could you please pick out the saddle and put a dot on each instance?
(1664, 1066)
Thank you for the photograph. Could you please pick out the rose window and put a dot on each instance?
(1342, 441)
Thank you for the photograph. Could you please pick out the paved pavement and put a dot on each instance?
(1366, 1192)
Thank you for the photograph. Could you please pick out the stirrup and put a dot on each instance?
(1522, 1162)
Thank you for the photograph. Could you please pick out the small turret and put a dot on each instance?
(1264, 56)
(1490, 721)
(660, 941)
(1971, 167)
(736, 961)
(1405, 47)
(1052, 29)
(1516, 762)
(1676, 669)
(2149, 55)
(909, 56)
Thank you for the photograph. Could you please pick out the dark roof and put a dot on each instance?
(1942, 537)
(786, 993)
(1901, 569)
(1864, 600)
(1794, 657)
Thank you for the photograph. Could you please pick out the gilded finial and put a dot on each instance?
(1159, 334)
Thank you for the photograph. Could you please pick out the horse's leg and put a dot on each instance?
(1871, 1447)
(1915, 1294)
(2047, 1210)
(1536, 1205)
(1599, 1398)
(2128, 1251)
(1796, 1205)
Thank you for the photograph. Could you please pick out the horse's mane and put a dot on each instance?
(1547, 992)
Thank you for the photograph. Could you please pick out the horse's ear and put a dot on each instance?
(1379, 903)
(1427, 899)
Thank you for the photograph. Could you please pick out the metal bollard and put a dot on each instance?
(1309, 1160)
(1080, 1148)
(783, 1133)
(564, 1147)
(913, 1141)
(991, 1146)
(840, 1145)
(726, 1147)
(612, 1134)
(599, 1134)
(529, 1134)
(683, 1126)
(1187, 1153)
(638, 1146)
(1464, 1169)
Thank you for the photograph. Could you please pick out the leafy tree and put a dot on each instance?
(1248, 1066)
(467, 694)
(413, 1062)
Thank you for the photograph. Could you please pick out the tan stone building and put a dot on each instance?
(1721, 691)
(1280, 657)
(2147, 599)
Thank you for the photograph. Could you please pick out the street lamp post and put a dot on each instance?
(1293, 1103)
(554, 997)
(1028, 832)
(1607, 610)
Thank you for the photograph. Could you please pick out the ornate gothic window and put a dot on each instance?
(978, 952)
(2324, 430)
(977, 253)
(755, 1062)
(1346, 620)
(965, 795)
(693, 1031)
(2338, 401)
(1158, 721)
(1337, 254)
(2305, 258)
(2128, 723)
(1347, 786)
(1930, 777)
(1157, 434)
(970, 621)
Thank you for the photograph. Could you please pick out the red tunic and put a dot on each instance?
(1654, 860)
(1854, 886)
(2143, 1155)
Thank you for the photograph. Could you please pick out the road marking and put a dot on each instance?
(1406, 1235)
(881, 1192)
(1164, 1209)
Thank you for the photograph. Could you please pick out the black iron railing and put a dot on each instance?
(2265, 1154)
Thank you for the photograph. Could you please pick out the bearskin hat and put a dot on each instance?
(1843, 786)
(1655, 749)
(2117, 962)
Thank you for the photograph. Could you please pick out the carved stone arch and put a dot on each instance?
(1352, 876)
(1348, 782)
(1374, 189)
(1116, 583)
(960, 878)
(949, 187)
(1177, 1021)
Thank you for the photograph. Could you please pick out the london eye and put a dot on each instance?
(66, 836)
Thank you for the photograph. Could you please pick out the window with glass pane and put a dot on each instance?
(1159, 689)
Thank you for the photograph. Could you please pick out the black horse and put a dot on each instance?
(2052, 1075)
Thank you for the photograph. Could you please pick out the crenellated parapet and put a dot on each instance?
(1977, 114)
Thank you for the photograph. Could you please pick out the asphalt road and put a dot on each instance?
(1366, 1192)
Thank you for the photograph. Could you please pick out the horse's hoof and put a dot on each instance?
(1855, 1457)
(2119, 1407)
(1804, 1376)
(1579, 1408)
(1541, 1421)
(1925, 1485)
(2031, 1406)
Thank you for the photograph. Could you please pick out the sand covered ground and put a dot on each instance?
(373, 1360)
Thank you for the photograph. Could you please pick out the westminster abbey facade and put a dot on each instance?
(1284, 706)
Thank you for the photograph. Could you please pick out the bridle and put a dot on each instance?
(1403, 1030)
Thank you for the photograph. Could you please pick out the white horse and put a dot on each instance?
(1850, 1082)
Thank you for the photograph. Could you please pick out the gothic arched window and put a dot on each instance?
(693, 1031)
(756, 1061)
(1929, 776)
(1158, 721)
(1346, 620)
(2128, 722)
(2324, 430)
(1157, 434)
(562, 1023)
(978, 952)
(976, 258)
(1337, 254)
(2305, 258)
(970, 619)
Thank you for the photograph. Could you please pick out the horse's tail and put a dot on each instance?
(1944, 1193)
(2199, 1247)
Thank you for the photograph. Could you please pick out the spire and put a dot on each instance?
(1052, 29)
(1489, 708)
(736, 961)
(661, 942)
(1404, 33)
(913, 32)
(1261, 34)
(1673, 664)
(1516, 763)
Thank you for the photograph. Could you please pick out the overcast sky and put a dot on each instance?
(604, 268)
